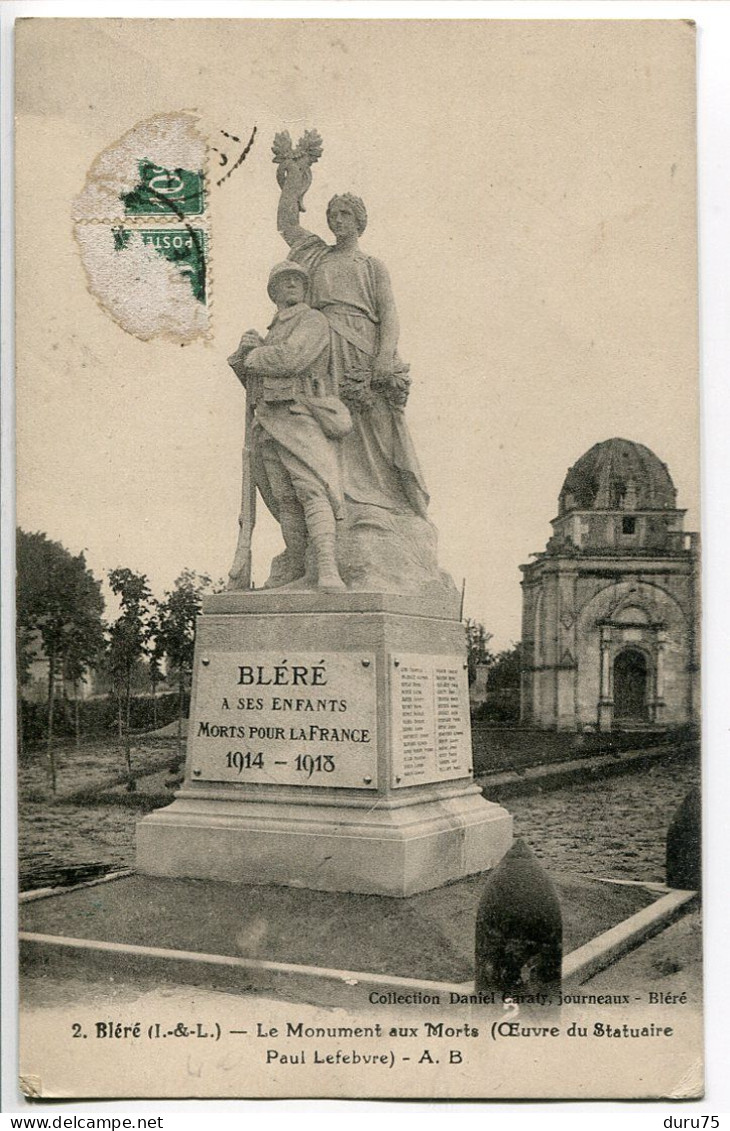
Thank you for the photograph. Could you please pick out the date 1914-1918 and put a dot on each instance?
(303, 763)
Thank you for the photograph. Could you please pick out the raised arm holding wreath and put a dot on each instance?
(381, 478)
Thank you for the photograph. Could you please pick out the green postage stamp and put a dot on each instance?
(163, 191)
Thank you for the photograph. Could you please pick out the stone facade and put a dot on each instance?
(610, 615)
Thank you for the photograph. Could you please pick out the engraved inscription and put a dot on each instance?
(450, 722)
(430, 714)
(284, 720)
(416, 722)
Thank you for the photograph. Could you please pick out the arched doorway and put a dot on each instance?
(630, 687)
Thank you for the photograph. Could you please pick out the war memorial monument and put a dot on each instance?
(329, 742)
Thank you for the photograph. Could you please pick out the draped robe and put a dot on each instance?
(379, 463)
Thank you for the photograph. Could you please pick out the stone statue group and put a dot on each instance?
(327, 446)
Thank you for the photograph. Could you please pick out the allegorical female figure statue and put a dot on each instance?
(353, 291)
(386, 540)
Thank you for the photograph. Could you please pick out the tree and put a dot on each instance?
(503, 693)
(59, 602)
(156, 655)
(115, 671)
(128, 638)
(84, 645)
(23, 660)
(505, 671)
(477, 639)
(176, 630)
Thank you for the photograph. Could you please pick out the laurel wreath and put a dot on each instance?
(308, 149)
(359, 389)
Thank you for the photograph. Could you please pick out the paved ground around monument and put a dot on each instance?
(615, 827)
(670, 962)
(428, 936)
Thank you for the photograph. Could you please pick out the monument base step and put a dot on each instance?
(379, 850)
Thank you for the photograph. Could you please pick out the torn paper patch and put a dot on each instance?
(152, 281)
(157, 168)
(142, 228)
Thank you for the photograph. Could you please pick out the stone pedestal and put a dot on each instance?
(329, 747)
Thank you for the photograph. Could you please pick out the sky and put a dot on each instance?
(530, 187)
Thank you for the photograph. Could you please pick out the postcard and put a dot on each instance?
(358, 560)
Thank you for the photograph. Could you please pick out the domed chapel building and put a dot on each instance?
(610, 612)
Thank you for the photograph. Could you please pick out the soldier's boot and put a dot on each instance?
(328, 575)
(290, 565)
(321, 527)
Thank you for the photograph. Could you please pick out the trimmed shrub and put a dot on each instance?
(500, 706)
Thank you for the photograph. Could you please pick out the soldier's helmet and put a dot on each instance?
(288, 267)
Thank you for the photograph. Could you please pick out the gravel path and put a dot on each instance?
(67, 843)
(94, 765)
(614, 828)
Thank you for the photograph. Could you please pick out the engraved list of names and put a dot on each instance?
(430, 715)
